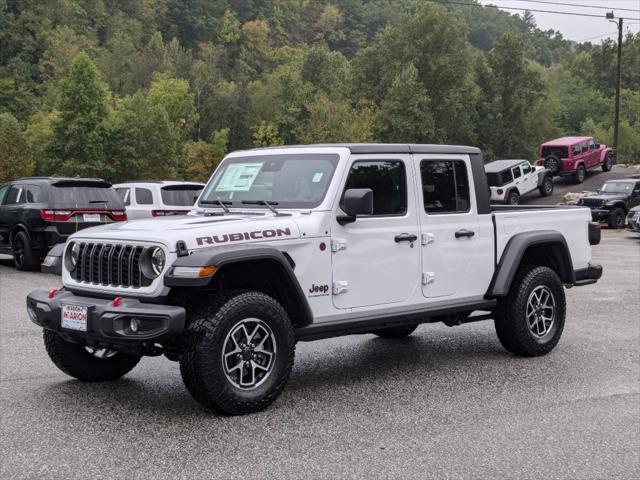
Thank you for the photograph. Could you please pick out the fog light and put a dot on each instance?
(134, 325)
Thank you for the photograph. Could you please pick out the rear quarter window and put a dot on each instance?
(144, 196)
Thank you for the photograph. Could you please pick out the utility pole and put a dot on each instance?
(616, 120)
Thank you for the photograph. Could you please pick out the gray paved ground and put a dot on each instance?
(445, 403)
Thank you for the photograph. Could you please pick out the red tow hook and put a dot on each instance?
(52, 292)
(116, 302)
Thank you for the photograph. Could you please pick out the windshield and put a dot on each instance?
(98, 197)
(617, 187)
(180, 195)
(560, 152)
(288, 181)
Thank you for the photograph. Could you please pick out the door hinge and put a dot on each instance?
(428, 278)
(427, 238)
(340, 287)
(338, 244)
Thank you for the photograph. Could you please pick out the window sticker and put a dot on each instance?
(317, 177)
(238, 177)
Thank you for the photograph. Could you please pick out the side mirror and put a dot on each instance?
(356, 201)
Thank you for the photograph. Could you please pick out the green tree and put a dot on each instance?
(265, 134)
(15, 160)
(79, 131)
(174, 95)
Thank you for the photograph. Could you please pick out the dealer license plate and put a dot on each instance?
(74, 317)
(91, 217)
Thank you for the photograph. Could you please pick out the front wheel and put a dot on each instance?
(530, 319)
(616, 218)
(581, 174)
(85, 363)
(239, 353)
(546, 188)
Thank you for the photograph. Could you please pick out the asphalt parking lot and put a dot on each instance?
(444, 403)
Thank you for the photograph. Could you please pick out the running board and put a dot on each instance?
(460, 312)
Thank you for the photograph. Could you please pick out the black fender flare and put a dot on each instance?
(221, 256)
(508, 192)
(541, 176)
(514, 252)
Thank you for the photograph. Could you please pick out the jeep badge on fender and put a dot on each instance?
(229, 289)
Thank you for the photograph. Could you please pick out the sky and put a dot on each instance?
(576, 28)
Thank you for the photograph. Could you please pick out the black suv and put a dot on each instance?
(613, 201)
(39, 212)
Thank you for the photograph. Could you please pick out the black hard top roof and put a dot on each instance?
(373, 148)
(500, 165)
(58, 179)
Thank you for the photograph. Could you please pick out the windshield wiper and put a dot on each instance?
(266, 203)
(220, 203)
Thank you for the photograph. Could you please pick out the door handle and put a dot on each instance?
(406, 237)
(465, 233)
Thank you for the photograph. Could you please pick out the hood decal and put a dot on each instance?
(240, 236)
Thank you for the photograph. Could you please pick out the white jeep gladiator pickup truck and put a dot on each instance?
(302, 243)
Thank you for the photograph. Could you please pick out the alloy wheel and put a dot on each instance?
(541, 310)
(248, 353)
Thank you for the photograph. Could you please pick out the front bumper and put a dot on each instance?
(633, 224)
(108, 324)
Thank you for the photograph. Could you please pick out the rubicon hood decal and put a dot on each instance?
(239, 237)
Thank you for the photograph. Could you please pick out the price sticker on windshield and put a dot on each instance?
(238, 177)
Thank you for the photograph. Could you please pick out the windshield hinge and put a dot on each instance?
(338, 244)
(427, 238)
(340, 287)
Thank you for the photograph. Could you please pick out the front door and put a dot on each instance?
(457, 250)
(376, 259)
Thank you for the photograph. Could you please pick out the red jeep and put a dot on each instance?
(574, 156)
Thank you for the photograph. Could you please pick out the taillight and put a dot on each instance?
(119, 215)
(499, 191)
(594, 233)
(158, 213)
(55, 215)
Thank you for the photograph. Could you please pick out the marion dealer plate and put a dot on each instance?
(74, 317)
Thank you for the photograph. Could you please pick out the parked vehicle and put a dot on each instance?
(613, 201)
(39, 212)
(301, 243)
(509, 180)
(633, 220)
(158, 199)
(574, 156)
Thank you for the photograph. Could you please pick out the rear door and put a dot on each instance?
(457, 242)
(529, 178)
(516, 172)
(376, 259)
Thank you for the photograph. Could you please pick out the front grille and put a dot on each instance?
(592, 202)
(109, 264)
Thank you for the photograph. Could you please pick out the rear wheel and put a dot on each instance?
(23, 256)
(400, 331)
(616, 218)
(581, 174)
(530, 319)
(546, 188)
(513, 198)
(239, 353)
(85, 363)
(608, 162)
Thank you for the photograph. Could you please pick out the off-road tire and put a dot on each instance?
(553, 164)
(616, 218)
(201, 364)
(580, 175)
(608, 162)
(513, 198)
(401, 331)
(511, 323)
(24, 258)
(546, 188)
(74, 360)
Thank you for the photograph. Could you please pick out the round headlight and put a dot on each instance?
(158, 259)
(73, 253)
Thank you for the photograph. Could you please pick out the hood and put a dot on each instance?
(607, 196)
(198, 231)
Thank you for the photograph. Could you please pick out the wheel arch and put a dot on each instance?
(19, 227)
(264, 269)
(544, 248)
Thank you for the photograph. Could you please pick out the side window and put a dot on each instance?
(3, 193)
(507, 177)
(33, 194)
(576, 149)
(584, 147)
(516, 172)
(144, 196)
(445, 186)
(125, 195)
(14, 195)
(388, 181)
(592, 144)
(526, 168)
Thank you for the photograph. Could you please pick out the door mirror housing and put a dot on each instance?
(356, 201)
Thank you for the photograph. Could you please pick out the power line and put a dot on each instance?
(578, 5)
(596, 36)
(447, 2)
